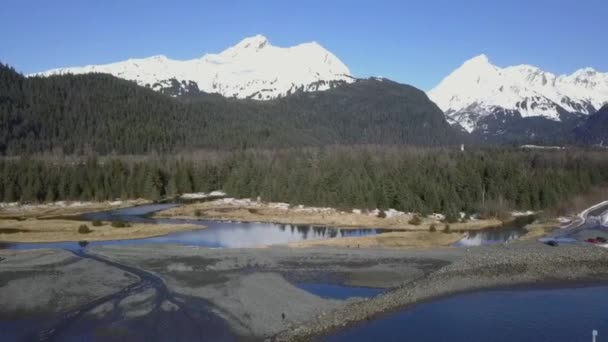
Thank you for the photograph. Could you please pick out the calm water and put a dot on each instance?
(333, 291)
(498, 315)
(496, 235)
(217, 234)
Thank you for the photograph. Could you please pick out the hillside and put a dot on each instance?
(595, 129)
(490, 100)
(105, 114)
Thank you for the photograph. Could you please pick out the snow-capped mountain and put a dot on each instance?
(479, 92)
(251, 69)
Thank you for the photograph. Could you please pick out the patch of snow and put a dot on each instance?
(393, 213)
(538, 147)
(202, 195)
(437, 217)
(522, 213)
(374, 212)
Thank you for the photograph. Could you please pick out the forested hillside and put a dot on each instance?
(104, 114)
(421, 180)
(595, 129)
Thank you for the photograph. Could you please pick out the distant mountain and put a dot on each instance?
(595, 130)
(252, 69)
(105, 114)
(487, 99)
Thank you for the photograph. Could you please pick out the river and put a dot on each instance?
(533, 314)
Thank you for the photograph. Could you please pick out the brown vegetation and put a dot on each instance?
(218, 210)
(33, 230)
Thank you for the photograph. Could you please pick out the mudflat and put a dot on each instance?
(255, 291)
(48, 282)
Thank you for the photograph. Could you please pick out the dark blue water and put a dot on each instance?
(217, 234)
(497, 315)
(332, 291)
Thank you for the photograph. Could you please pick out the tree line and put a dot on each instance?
(79, 114)
(408, 179)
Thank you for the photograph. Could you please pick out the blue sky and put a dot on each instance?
(414, 42)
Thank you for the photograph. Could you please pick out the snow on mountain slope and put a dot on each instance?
(479, 89)
(251, 69)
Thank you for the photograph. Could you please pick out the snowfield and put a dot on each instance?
(478, 88)
(253, 68)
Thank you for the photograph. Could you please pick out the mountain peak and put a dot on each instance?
(256, 42)
(479, 59)
(479, 65)
(479, 89)
(584, 72)
(250, 69)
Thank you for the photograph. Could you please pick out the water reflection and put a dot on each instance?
(495, 235)
(214, 233)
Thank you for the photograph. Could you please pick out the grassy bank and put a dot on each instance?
(272, 212)
(35, 230)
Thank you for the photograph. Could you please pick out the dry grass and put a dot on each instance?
(33, 230)
(391, 240)
(540, 228)
(215, 211)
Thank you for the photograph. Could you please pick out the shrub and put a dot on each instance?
(198, 213)
(451, 217)
(433, 228)
(120, 224)
(446, 228)
(381, 214)
(97, 223)
(416, 221)
(84, 229)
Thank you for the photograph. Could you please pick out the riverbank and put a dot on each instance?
(244, 210)
(61, 209)
(255, 290)
(513, 264)
(58, 230)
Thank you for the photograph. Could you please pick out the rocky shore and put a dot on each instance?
(484, 267)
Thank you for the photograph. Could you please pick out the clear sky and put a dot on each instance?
(414, 42)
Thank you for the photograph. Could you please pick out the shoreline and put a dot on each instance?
(250, 288)
(501, 267)
(280, 213)
(58, 231)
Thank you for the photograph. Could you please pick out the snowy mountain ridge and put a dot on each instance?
(253, 68)
(479, 90)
